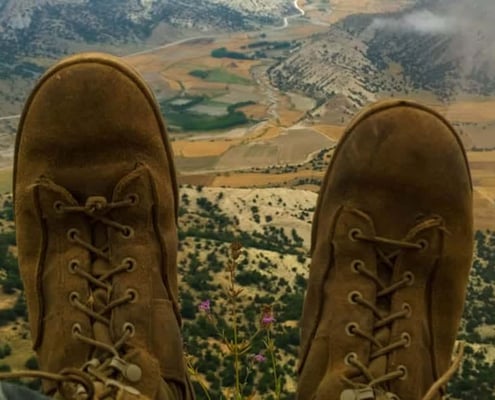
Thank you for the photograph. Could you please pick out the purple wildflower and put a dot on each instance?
(205, 306)
(268, 319)
(259, 358)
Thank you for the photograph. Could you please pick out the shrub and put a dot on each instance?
(32, 363)
(5, 368)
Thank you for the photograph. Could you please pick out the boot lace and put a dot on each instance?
(373, 389)
(107, 361)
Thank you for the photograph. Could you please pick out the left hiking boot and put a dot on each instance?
(392, 243)
(96, 203)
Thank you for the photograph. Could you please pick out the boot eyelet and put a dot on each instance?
(72, 234)
(76, 329)
(73, 297)
(403, 369)
(423, 243)
(58, 206)
(129, 328)
(353, 297)
(130, 263)
(73, 266)
(419, 217)
(349, 358)
(357, 266)
(127, 232)
(351, 329)
(133, 198)
(132, 294)
(410, 278)
(407, 308)
(354, 233)
(407, 338)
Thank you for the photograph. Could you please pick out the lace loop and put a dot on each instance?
(102, 368)
(381, 240)
(389, 260)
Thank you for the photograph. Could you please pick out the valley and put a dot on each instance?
(286, 129)
(255, 110)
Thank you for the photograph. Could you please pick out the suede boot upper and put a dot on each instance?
(96, 214)
(392, 244)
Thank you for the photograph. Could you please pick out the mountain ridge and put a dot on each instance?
(427, 47)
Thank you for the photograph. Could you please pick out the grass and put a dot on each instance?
(220, 75)
(204, 122)
(181, 116)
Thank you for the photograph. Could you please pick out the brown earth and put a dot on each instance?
(343, 8)
(255, 111)
(191, 149)
(469, 111)
(260, 179)
(483, 171)
(333, 132)
(290, 146)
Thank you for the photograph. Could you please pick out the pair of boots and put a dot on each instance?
(96, 203)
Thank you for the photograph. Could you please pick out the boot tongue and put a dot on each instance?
(378, 366)
(101, 296)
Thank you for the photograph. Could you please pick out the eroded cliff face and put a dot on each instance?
(441, 47)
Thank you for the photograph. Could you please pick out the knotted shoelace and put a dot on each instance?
(109, 362)
(373, 387)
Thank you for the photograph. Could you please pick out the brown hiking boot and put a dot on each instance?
(391, 245)
(96, 214)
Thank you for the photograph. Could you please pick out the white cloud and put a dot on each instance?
(423, 21)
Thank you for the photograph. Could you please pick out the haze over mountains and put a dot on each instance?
(446, 47)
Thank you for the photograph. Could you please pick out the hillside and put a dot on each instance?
(274, 227)
(431, 47)
(47, 27)
(34, 33)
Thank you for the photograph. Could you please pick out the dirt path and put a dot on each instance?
(269, 93)
(10, 117)
(7, 301)
(483, 193)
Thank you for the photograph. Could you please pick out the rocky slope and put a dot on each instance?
(38, 27)
(437, 46)
(31, 30)
(35, 32)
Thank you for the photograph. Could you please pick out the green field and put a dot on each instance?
(204, 122)
(180, 116)
(220, 75)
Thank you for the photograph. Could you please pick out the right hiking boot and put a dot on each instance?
(96, 203)
(392, 244)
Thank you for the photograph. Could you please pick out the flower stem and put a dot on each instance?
(271, 349)
(194, 373)
(205, 390)
(233, 297)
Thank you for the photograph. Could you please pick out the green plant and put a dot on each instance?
(32, 363)
(5, 351)
(240, 360)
